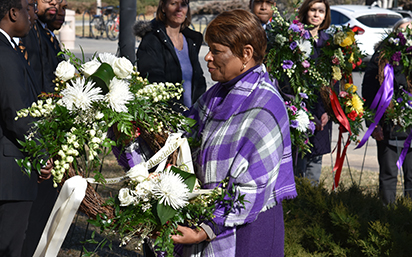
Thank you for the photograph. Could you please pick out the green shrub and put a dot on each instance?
(347, 222)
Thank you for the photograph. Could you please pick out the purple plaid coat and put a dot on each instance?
(244, 131)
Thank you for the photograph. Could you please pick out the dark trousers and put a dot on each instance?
(14, 218)
(388, 172)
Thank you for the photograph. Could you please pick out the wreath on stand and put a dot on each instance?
(395, 53)
(340, 56)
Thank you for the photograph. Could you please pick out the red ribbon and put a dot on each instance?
(344, 126)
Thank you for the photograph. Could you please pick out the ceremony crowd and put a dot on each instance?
(242, 121)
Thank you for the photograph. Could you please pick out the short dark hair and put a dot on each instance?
(304, 9)
(6, 5)
(236, 29)
(160, 15)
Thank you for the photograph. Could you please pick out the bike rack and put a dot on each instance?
(201, 18)
(90, 19)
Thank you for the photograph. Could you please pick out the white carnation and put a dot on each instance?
(306, 47)
(303, 121)
(65, 71)
(122, 67)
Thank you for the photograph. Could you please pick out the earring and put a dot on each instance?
(243, 67)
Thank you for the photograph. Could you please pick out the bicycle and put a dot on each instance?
(99, 25)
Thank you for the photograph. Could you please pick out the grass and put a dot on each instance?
(368, 181)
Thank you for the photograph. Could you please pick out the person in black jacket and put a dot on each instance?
(42, 49)
(17, 91)
(169, 50)
(42, 46)
(389, 137)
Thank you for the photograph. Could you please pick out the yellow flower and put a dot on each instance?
(349, 40)
(351, 59)
(336, 73)
(357, 104)
(351, 87)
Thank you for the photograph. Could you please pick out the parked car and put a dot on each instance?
(371, 23)
(404, 13)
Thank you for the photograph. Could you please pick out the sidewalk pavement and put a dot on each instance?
(356, 159)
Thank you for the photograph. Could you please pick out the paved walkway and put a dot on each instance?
(356, 158)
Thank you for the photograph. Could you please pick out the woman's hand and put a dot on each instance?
(324, 119)
(189, 235)
(378, 133)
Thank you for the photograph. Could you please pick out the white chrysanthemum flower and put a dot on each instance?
(107, 58)
(306, 47)
(303, 119)
(80, 95)
(171, 190)
(119, 95)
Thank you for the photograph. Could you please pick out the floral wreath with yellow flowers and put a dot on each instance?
(340, 56)
(352, 105)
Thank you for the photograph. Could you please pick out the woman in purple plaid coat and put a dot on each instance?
(243, 128)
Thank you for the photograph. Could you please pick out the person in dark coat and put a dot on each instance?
(389, 137)
(316, 13)
(42, 49)
(17, 91)
(169, 50)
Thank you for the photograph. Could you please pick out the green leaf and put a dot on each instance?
(165, 213)
(188, 178)
(190, 122)
(102, 77)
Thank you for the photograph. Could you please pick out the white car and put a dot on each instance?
(371, 23)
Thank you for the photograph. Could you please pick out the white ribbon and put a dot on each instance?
(70, 197)
(173, 142)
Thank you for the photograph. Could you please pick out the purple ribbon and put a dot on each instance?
(405, 149)
(380, 102)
